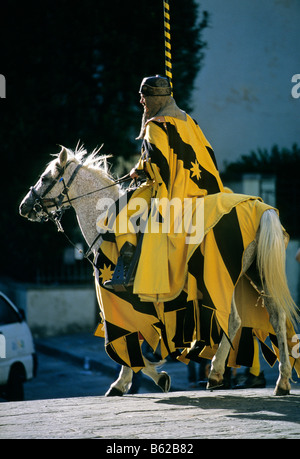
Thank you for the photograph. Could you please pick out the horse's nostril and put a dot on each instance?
(23, 209)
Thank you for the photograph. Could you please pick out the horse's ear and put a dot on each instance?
(63, 156)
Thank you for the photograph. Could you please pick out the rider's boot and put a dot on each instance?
(123, 275)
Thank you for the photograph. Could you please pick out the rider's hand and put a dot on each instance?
(133, 173)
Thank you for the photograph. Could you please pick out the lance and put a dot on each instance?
(167, 36)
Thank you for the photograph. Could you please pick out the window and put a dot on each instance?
(7, 314)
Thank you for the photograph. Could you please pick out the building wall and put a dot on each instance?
(293, 270)
(60, 310)
(243, 95)
(55, 310)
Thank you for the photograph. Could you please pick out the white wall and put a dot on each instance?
(243, 98)
(61, 310)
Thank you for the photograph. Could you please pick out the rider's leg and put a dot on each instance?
(126, 226)
(126, 221)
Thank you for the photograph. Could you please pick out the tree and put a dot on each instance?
(285, 165)
(72, 72)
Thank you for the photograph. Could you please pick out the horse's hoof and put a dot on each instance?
(164, 381)
(114, 392)
(214, 384)
(279, 391)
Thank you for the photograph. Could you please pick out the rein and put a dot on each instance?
(41, 205)
(117, 182)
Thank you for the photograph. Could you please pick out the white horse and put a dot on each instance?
(66, 181)
(66, 170)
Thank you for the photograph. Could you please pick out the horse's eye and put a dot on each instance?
(45, 178)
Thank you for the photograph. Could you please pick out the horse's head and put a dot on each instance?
(50, 194)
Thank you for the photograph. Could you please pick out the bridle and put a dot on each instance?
(41, 204)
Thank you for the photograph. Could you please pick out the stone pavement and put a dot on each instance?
(177, 416)
(254, 414)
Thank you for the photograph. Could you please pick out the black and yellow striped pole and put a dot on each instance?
(167, 34)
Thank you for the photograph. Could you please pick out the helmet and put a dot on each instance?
(155, 86)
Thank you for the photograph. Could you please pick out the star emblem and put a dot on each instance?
(196, 170)
(106, 273)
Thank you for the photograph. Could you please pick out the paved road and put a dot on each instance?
(177, 415)
(59, 378)
(66, 401)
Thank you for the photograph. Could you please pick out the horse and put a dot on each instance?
(76, 179)
(82, 176)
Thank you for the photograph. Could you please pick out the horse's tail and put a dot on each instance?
(271, 254)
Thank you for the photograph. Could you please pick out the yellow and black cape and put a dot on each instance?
(182, 292)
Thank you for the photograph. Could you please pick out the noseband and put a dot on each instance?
(42, 204)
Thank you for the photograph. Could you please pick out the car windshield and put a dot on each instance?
(7, 314)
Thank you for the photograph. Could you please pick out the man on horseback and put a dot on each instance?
(177, 161)
(189, 294)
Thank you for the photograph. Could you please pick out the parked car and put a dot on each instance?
(18, 362)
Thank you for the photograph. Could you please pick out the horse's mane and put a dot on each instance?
(90, 160)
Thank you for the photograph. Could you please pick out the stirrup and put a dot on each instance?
(125, 269)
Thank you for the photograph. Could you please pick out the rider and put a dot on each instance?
(176, 158)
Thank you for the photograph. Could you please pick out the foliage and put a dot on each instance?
(276, 162)
(73, 71)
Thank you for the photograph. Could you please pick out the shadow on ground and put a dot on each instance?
(244, 406)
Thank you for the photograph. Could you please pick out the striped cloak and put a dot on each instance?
(182, 292)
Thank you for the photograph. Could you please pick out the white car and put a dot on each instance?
(18, 362)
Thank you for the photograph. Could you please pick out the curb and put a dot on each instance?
(76, 360)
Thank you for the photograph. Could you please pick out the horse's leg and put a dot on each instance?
(122, 384)
(162, 379)
(215, 378)
(278, 322)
